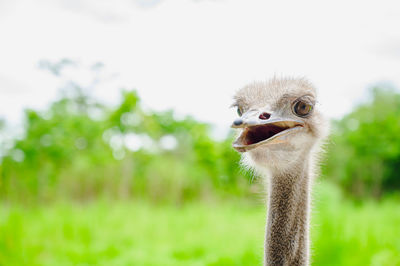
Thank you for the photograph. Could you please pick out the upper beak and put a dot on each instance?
(258, 131)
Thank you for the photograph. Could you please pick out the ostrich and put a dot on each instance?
(280, 134)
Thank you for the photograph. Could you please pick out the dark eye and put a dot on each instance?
(301, 108)
(239, 111)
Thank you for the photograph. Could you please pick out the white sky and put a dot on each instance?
(192, 55)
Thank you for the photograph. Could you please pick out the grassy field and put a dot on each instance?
(224, 233)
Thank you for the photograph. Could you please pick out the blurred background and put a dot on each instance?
(115, 146)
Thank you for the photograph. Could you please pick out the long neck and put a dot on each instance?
(287, 233)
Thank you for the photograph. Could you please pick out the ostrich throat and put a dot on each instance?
(287, 236)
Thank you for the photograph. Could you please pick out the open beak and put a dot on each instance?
(257, 132)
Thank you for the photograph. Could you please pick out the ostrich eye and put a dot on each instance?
(301, 108)
(239, 111)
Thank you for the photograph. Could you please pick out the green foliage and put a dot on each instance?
(80, 149)
(364, 151)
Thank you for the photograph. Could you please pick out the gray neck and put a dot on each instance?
(287, 233)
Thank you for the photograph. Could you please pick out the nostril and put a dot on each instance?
(264, 116)
(238, 122)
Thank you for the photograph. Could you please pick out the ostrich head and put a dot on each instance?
(278, 123)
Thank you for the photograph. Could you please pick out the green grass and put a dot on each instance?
(227, 233)
(131, 234)
(349, 233)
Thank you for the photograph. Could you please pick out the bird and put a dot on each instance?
(281, 134)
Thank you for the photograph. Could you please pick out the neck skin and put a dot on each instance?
(287, 236)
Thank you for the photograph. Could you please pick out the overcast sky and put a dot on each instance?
(193, 55)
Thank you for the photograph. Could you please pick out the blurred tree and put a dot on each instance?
(364, 153)
(79, 148)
